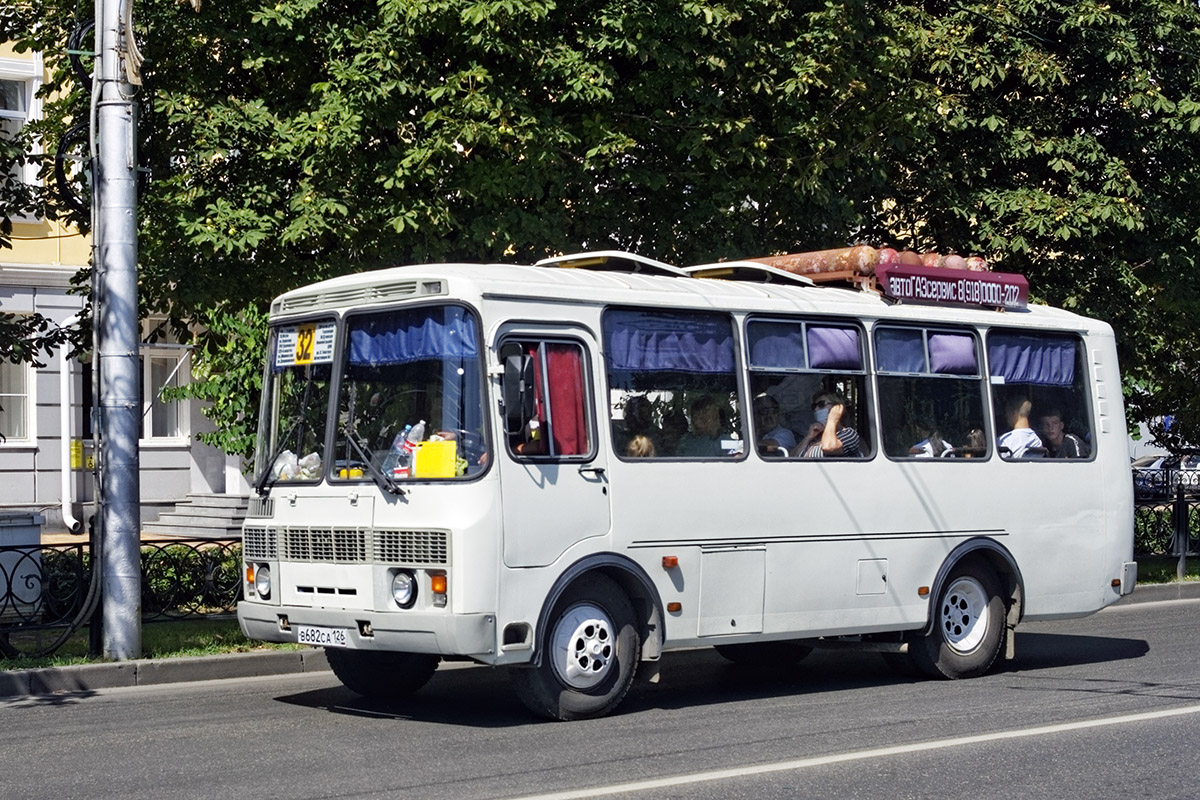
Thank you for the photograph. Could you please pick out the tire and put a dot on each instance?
(381, 675)
(590, 652)
(968, 625)
(764, 654)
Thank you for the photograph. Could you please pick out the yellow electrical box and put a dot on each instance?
(77, 454)
(436, 459)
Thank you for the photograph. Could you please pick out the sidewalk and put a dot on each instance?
(149, 672)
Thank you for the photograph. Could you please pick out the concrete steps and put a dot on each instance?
(206, 516)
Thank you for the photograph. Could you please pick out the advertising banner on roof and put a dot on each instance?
(959, 287)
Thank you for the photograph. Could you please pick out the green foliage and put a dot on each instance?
(228, 376)
(296, 140)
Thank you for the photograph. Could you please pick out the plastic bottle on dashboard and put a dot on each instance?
(398, 457)
(415, 435)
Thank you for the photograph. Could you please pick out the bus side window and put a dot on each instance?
(796, 366)
(673, 381)
(545, 392)
(930, 393)
(1039, 395)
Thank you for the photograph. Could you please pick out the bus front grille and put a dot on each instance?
(260, 543)
(347, 545)
(427, 548)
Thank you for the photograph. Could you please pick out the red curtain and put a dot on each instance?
(567, 398)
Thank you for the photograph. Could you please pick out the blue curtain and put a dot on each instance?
(900, 350)
(833, 348)
(1032, 358)
(404, 336)
(952, 354)
(638, 341)
(776, 345)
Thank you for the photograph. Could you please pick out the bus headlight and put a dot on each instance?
(262, 581)
(404, 589)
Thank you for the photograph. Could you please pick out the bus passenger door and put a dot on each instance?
(554, 485)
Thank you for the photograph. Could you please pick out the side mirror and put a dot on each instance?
(518, 393)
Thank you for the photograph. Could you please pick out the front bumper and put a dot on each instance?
(472, 635)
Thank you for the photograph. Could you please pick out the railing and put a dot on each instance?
(1166, 519)
(45, 588)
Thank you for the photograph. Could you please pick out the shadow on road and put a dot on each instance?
(481, 697)
(1048, 650)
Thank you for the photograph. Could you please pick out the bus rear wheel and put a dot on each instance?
(381, 675)
(589, 654)
(968, 625)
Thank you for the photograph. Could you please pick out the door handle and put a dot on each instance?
(597, 471)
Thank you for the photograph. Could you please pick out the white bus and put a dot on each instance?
(569, 471)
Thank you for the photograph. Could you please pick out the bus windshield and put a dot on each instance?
(411, 397)
(295, 399)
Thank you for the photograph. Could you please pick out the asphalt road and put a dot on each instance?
(1109, 705)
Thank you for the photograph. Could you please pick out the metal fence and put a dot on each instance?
(1166, 518)
(44, 589)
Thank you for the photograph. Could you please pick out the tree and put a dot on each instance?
(23, 337)
(296, 140)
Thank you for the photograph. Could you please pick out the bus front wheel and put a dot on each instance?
(381, 675)
(968, 625)
(589, 654)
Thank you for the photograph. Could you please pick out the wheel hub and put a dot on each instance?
(583, 646)
(963, 614)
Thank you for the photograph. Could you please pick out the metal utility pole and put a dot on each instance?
(116, 302)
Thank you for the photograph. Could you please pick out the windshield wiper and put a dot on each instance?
(386, 483)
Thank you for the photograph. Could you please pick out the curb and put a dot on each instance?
(150, 672)
(1158, 592)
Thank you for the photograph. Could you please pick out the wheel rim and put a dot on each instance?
(584, 647)
(964, 614)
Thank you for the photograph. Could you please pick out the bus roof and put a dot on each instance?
(606, 287)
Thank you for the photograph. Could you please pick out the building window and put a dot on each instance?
(15, 104)
(163, 368)
(14, 402)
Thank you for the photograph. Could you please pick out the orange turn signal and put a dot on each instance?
(438, 584)
(923, 591)
(250, 574)
(674, 607)
(670, 562)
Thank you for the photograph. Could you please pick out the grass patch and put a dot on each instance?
(1163, 569)
(175, 639)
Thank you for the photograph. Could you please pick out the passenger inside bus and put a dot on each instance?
(829, 436)
(704, 438)
(975, 445)
(1059, 443)
(1021, 441)
(933, 445)
(674, 429)
(638, 423)
(773, 438)
(641, 446)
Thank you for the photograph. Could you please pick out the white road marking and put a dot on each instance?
(860, 755)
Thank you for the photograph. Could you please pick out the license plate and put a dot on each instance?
(323, 637)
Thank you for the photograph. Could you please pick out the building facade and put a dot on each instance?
(46, 447)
